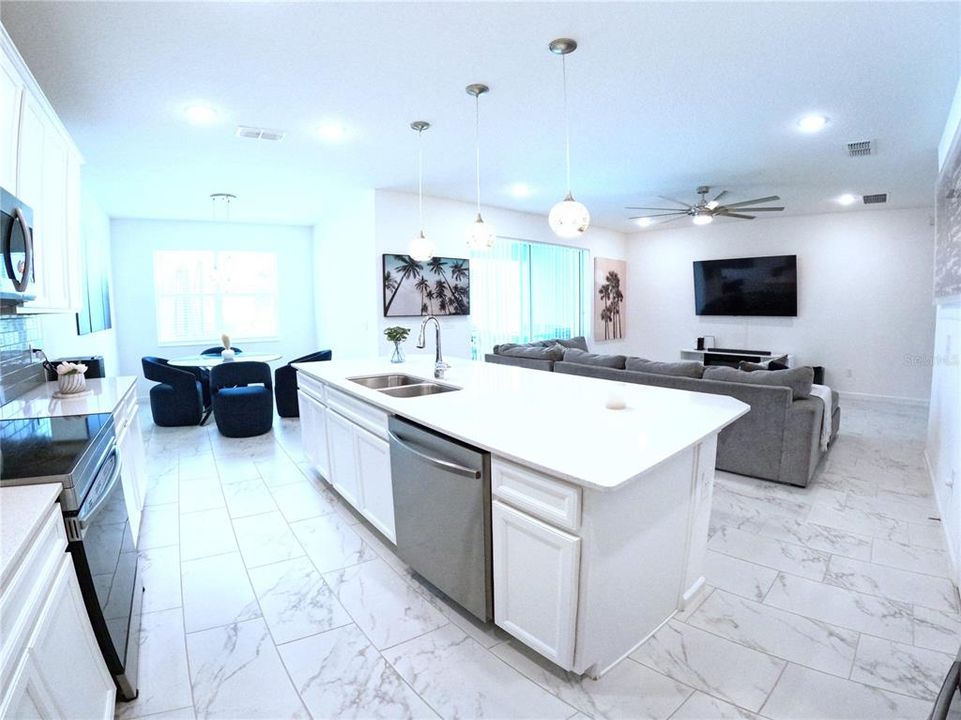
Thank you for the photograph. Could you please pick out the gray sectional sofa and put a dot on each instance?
(778, 439)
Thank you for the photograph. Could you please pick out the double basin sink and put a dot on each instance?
(403, 386)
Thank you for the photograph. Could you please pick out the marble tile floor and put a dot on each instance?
(267, 597)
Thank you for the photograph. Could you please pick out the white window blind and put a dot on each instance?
(523, 291)
(201, 294)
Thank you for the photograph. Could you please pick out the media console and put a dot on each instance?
(731, 356)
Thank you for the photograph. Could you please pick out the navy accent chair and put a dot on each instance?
(242, 407)
(285, 384)
(217, 350)
(178, 399)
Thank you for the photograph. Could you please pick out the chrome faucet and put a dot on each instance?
(439, 365)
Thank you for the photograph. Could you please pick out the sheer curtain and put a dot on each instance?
(523, 291)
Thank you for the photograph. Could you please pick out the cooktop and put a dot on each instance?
(47, 447)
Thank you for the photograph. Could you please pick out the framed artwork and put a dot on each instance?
(610, 292)
(947, 231)
(440, 286)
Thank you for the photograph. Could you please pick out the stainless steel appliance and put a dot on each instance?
(16, 247)
(948, 702)
(442, 513)
(81, 454)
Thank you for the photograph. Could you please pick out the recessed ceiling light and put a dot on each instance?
(847, 199)
(645, 222)
(702, 219)
(812, 123)
(331, 131)
(520, 190)
(201, 115)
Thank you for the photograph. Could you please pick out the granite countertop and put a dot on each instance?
(22, 512)
(105, 395)
(552, 422)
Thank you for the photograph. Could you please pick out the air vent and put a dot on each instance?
(860, 148)
(259, 133)
(875, 199)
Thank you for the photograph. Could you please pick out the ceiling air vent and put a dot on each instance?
(875, 199)
(259, 133)
(860, 148)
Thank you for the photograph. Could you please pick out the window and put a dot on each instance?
(202, 294)
(525, 291)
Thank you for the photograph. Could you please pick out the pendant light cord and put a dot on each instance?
(567, 124)
(477, 148)
(420, 179)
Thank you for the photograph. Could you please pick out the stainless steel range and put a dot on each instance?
(81, 454)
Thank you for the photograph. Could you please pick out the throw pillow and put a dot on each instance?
(555, 352)
(678, 369)
(581, 357)
(767, 365)
(798, 379)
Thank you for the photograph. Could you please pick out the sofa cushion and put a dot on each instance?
(532, 352)
(798, 379)
(680, 369)
(581, 357)
(577, 343)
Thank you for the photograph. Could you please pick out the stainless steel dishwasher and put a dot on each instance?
(442, 513)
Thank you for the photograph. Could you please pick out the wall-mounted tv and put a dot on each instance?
(757, 286)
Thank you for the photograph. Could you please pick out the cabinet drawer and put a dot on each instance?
(22, 598)
(370, 418)
(543, 497)
(312, 387)
(124, 413)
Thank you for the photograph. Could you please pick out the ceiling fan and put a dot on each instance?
(704, 211)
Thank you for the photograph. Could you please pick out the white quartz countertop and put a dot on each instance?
(22, 512)
(552, 422)
(105, 394)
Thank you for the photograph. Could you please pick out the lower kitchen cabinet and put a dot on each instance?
(373, 469)
(313, 430)
(535, 582)
(133, 462)
(343, 458)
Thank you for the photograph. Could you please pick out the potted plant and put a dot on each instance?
(71, 378)
(397, 334)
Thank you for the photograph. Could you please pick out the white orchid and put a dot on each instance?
(225, 339)
(69, 368)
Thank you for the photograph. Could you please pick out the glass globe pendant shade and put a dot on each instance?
(480, 235)
(421, 249)
(702, 219)
(569, 218)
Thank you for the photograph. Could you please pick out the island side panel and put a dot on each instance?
(634, 561)
(695, 583)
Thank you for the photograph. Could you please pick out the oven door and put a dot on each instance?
(16, 246)
(105, 556)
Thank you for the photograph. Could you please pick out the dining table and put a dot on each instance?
(208, 361)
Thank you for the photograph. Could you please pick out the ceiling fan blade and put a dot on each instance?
(735, 215)
(719, 195)
(631, 207)
(742, 203)
(678, 202)
(641, 217)
(764, 209)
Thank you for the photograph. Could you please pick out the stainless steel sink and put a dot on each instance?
(424, 388)
(394, 380)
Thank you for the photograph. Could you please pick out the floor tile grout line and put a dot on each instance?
(773, 687)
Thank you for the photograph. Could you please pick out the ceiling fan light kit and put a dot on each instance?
(704, 211)
(421, 248)
(568, 218)
(480, 234)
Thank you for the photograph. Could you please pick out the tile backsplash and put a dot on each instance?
(19, 371)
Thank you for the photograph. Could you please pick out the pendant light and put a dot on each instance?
(568, 218)
(480, 235)
(421, 249)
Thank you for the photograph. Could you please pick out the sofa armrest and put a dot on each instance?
(802, 441)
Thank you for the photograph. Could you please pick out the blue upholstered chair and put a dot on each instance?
(242, 396)
(285, 384)
(178, 399)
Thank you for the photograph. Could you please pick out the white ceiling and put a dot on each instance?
(665, 96)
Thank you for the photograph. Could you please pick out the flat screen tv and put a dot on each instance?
(757, 286)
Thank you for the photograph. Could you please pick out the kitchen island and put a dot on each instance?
(599, 516)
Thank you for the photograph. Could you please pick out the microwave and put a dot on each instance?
(16, 246)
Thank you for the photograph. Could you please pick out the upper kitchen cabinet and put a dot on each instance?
(40, 164)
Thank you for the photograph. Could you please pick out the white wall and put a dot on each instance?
(445, 222)
(944, 419)
(864, 295)
(133, 243)
(59, 331)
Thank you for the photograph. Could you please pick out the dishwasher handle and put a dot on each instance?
(437, 462)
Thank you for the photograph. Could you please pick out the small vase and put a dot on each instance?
(227, 354)
(72, 383)
(398, 356)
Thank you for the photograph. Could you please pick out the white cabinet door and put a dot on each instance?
(30, 158)
(132, 493)
(11, 92)
(343, 459)
(535, 582)
(373, 466)
(68, 671)
(313, 432)
(29, 698)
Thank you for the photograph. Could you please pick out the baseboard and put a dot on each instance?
(895, 399)
(944, 528)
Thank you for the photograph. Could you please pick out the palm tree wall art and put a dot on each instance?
(609, 298)
(440, 286)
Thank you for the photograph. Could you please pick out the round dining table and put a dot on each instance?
(208, 361)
